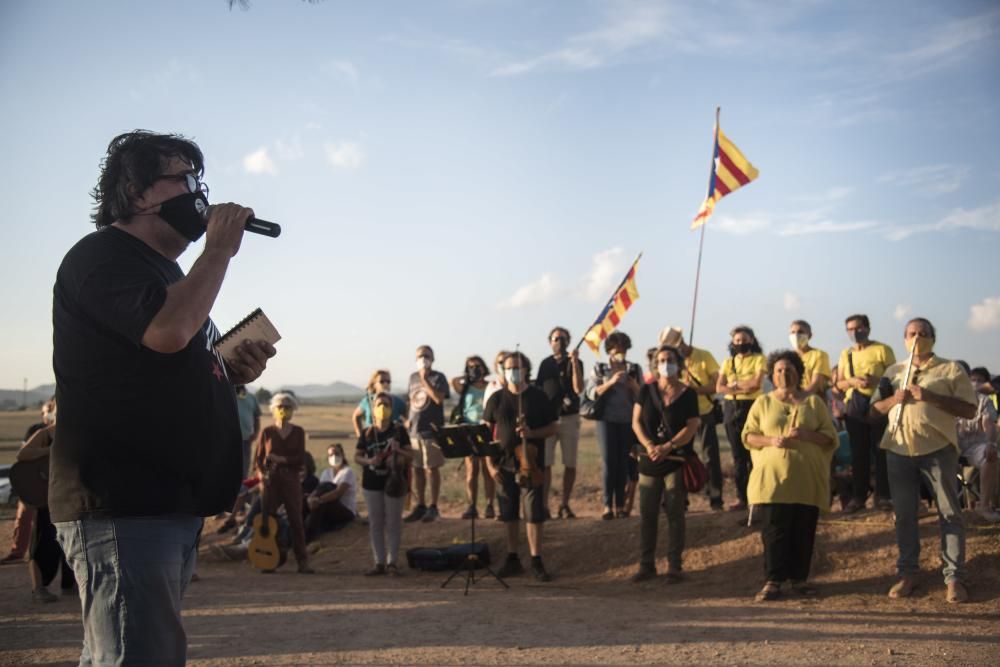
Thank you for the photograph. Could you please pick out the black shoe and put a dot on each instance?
(645, 573)
(717, 505)
(431, 514)
(511, 567)
(539, 570)
(489, 513)
(608, 515)
(416, 515)
(470, 513)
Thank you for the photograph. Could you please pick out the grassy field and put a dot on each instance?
(327, 424)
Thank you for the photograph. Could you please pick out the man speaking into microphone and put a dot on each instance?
(148, 440)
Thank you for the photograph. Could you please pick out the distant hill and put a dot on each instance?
(315, 391)
(11, 398)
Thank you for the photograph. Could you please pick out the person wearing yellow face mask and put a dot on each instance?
(280, 455)
(384, 452)
(924, 446)
(791, 439)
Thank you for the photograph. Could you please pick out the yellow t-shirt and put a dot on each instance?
(817, 362)
(798, 474)
(924, 427)
(701, 366)
(738, 369)
(873, 359)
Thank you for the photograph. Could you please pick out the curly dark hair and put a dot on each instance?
(133, 163)
(786, 355)
(673, 350)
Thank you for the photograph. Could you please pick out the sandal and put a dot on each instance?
(771, 591)
(566, 513)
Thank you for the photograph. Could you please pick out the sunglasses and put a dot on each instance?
(189, 178)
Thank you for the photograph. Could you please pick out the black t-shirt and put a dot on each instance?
(662, 423)
(501, 411)
(140, 433)
(555, 378)
(373, 442)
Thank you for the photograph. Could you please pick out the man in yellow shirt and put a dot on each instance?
(859, 370)
(701, 371)
(922, 443)
(817, 374)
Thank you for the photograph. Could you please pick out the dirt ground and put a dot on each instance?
(589, 615)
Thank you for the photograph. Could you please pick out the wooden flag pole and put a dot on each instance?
(607, 303)
(701, 242)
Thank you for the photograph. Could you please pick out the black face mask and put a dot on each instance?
(185, 213)
(743, 348)
(475, 373)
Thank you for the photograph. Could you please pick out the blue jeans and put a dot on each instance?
(939, 470)
(615, 442)
(132, 574)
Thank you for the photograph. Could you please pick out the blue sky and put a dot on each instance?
(469, 174)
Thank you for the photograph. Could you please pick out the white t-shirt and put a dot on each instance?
(345, 476)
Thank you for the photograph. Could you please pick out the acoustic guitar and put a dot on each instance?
(263, 552)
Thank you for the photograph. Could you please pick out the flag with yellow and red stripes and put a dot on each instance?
(623, 298)
(731, 172)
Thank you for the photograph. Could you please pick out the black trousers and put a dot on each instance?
(788, 532)
(865, 438)
(734, 419)
(710, 450)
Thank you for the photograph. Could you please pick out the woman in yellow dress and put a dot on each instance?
(791, 439)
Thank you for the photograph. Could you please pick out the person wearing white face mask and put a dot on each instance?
(428, 390)
(615, 388)
(384, 452)
(791, 438)
(922, 447)
(816, 362)
(665, 421)
(858, 373)
(334, 502)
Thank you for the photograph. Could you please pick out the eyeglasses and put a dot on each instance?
(189, 178)
(559, 339)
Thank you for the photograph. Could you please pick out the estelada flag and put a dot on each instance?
(625, 295)
(731, 172)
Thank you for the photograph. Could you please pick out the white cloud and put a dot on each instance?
(626, 28)
(984, 218)
(346, 155)
(606, 271)
(344, 69)
(739, 226)
(935, 179)
(985, 316)
(792, 302)
(259, 162)
(830, 196)
(531, 294)
(823, 227)
(901, 312)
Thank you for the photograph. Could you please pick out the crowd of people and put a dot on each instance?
(130, 482)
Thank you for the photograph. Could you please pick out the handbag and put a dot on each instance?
(858, 406)
(593, 408)
(695, 473)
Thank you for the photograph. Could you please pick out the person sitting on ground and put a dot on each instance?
(333, 502)
(924, 449)
(665, 420)
(791, 439)
(380, 381)
(280, 456)
(977, 440)
(384, 452)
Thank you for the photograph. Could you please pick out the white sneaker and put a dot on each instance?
(989, 515)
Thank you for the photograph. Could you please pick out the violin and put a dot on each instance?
(529, 474)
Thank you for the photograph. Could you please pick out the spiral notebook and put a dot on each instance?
(255, 327)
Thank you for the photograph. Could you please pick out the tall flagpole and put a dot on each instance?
(701, 242)
(608, 302)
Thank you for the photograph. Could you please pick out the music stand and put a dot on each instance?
(458, 442)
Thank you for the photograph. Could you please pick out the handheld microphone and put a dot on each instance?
(255, 225)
